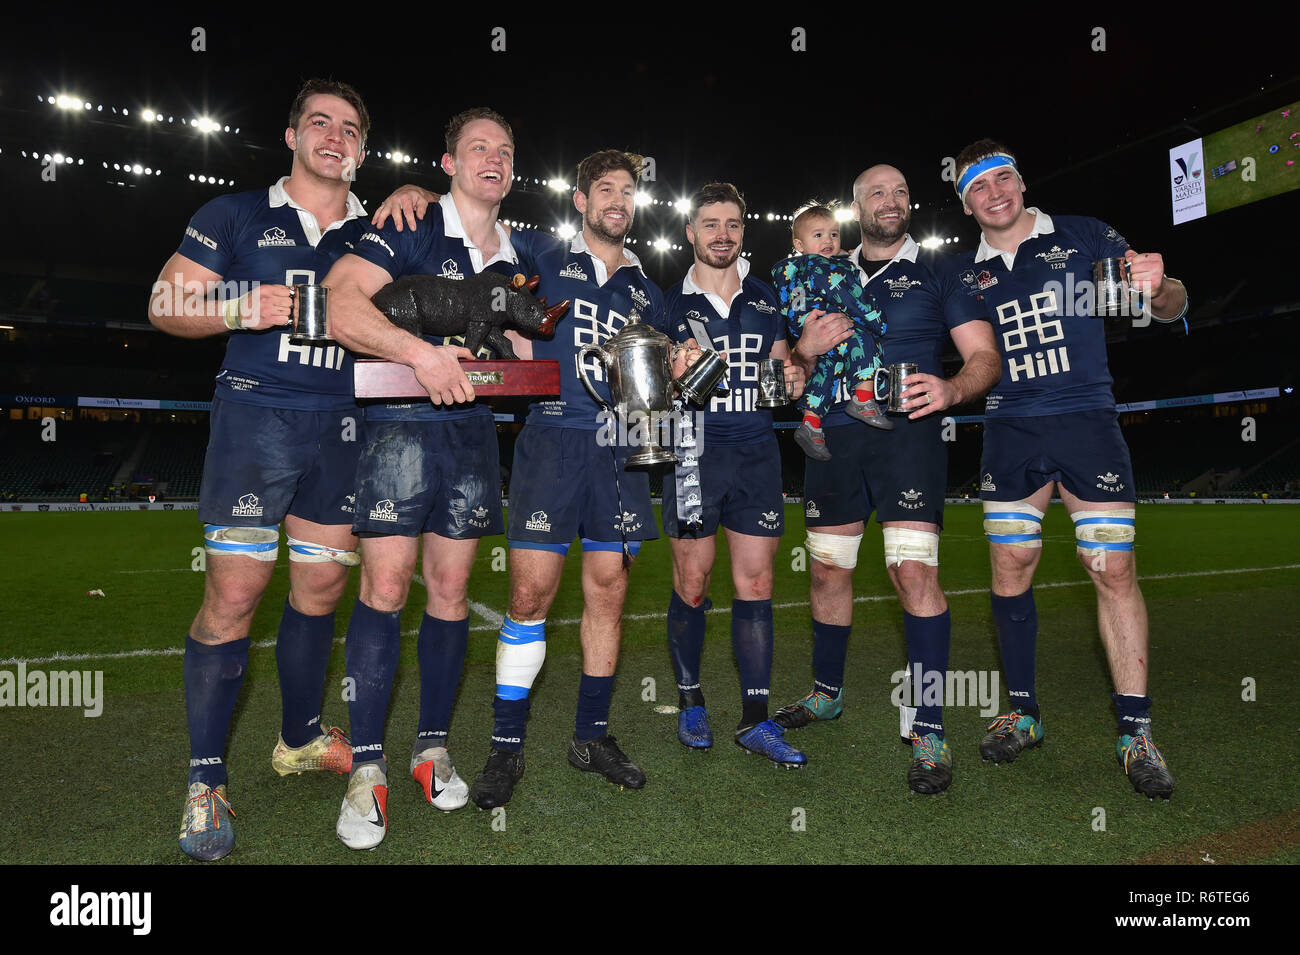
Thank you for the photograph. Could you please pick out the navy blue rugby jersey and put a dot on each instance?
(1053, 351)
(601, 307)
(262, 236)
(924, 300)
(743, 332)
(437, 246)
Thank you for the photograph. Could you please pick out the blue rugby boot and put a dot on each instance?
(812, 708)
(207, 833)
(767, 739)
(693, 728)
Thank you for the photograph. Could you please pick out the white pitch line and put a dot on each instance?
(266, 644)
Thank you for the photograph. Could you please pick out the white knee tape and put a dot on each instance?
(1096, 531)
(519, 663)
(260, 543)
(836, 550)
(305, 552)
(1013, 522)
(905, 543)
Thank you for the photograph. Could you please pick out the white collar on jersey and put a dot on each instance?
(907, 251)
(278, 195)
(690, 288)
(453, 228)
(1042, 226)
(579, 244)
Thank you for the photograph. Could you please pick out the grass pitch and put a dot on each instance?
(1221, 589)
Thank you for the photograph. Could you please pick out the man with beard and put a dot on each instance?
(1052, 423)
(734, 470)
(565, 484)
(900, 474)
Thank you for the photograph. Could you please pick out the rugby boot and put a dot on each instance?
(931, 769)
(363, 818)
(443, 788)
(1145, 766)
(602, 755)
(496, 784)
(814, 707)
(1009, 734)
(330, 751)
(693, 728)
(768, 739)
(207, 834)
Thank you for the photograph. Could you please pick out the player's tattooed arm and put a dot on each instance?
(406, 204)
(358, 325)
(821, 333)
(981, 368)
(1166, 295)
(186, 302)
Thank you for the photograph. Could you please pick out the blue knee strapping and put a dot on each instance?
(632, 546)
(532, 545)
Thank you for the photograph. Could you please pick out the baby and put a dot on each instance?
(820, 277)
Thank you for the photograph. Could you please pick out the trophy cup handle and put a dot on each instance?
(875, 384)
(582, 371)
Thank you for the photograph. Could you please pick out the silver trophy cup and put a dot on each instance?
(636, 364)
(1114, 294)
(892, 394)
(771, 384)
(310, 314)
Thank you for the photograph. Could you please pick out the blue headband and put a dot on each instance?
(975, 170)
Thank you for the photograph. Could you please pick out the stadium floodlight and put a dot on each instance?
(843, 214)
(644, 199)
(559, 185)
(683, 206)
(137, 169)
(148, 115)
(566, 231)
(191, 174)
(58, 158)
(206, 125)
(67, 101)
(663, 245)
(933, 242)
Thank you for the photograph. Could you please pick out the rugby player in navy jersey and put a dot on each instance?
(735, 469)
(1051, 424)
(428, 480)
(283, 447)
(900, 474)
(568, 482)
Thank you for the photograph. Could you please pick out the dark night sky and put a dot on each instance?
(707, 101)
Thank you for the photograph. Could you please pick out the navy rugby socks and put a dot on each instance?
(1133, 713)
(1017, 621)
(686, 646)
(751, 639)
(441, 652)
(213, 676)
(592, 719)
(373, 644)
(302, 655)
(830, 648)
(928, 640)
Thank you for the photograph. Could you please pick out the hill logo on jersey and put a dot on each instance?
(451, 270)
(1022, 324)
(248, 506)
(538, 521)
(384, 510)
(573, 271)
(274, 236)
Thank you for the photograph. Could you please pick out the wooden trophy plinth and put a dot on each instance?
(387, 379)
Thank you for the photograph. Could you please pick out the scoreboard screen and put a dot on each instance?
(1253, 160)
